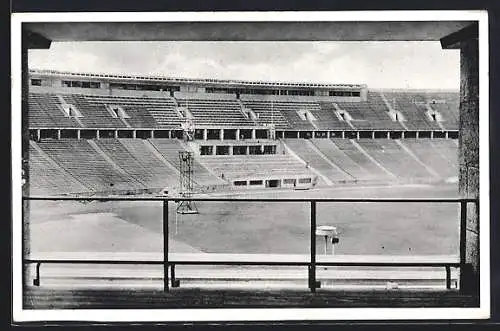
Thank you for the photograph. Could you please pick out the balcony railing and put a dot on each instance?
(311, 262)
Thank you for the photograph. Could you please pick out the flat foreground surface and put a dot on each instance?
(218, 298)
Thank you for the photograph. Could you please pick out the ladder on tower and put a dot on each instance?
(186, 181)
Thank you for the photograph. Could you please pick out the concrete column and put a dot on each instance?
(466, 40)
(468, 158)
(388, 134)
(116, 134)
(151, 134)
(357, 135)
(343, 134)
(169, 135)
(38, 134)
(98, 136)
(30, 40)
(78, 136)
(417, 135)
(373, 134)
(402, 135)
(254, 134)
(134, 133)
(59, 134)
(221, 134)
(446, 134)
(237, 134)
(205, 134)
(432, 134)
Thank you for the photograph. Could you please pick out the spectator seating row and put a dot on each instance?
(133, 156)
(45, 111)
(82, 166)
(216, 112)
(47, 178)
(371, 114)
(329, 149)
(440, 157)
(348, 148)
(161, 112)
(241, 166)
(81, 160)
(169, 149)
(305, 150)
(413, 107)
(394, 158)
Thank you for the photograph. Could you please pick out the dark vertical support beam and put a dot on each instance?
(25, 244)
(469, 159)
(165, 245)
(312, 265)
(30, 40)
(466, 40)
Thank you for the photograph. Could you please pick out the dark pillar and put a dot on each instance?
(25, 165)
(469, 157)
(29, 40)
(468, 150)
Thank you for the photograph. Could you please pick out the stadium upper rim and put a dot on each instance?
(160, 78)
(157, 78)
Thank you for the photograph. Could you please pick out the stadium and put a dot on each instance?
(174, 185)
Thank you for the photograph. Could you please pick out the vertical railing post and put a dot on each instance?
(463, 231)
(36, 281)
(463, 238)
(312, 265)
(165, 245)
(448, 277)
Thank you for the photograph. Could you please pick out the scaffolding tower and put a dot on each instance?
(186, 183)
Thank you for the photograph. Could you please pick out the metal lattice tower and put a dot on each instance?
(186, 183)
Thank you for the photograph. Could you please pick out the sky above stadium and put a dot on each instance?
(417, 65)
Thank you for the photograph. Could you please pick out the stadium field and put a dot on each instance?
(278, 228)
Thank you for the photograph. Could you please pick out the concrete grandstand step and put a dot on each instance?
(339, 157)
(290, 151)
(408, 150)
(70, 182)
(313, 147)
(159, 156)
(107, 158)
(372, 159)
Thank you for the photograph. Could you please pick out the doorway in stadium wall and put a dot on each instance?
(273, 183)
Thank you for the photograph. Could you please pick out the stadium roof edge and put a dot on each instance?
(247, 30)
(158, 78)
(415, 90)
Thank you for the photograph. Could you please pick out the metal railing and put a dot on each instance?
(311, 264)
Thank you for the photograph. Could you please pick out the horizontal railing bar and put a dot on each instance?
(389, 264)
(369, 200)
(57, 261)
(250, 263)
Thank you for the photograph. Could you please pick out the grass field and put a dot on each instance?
(393, 229)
